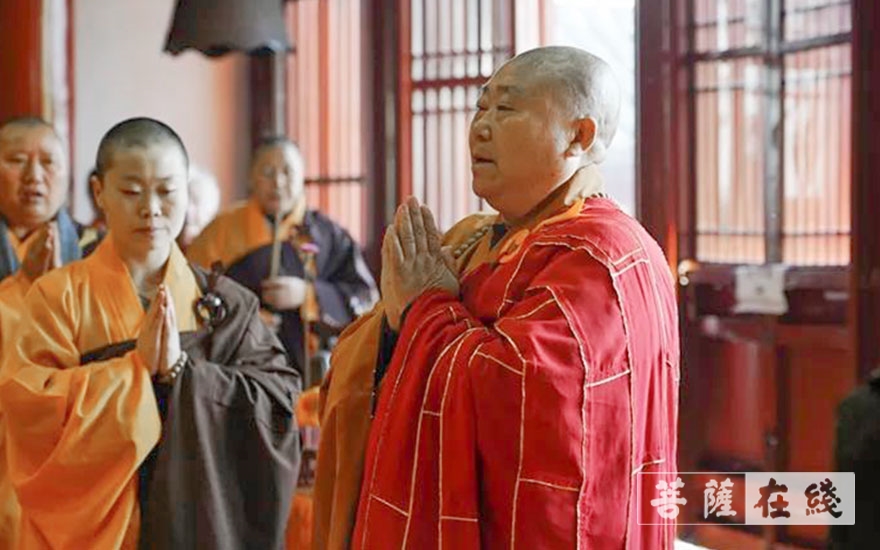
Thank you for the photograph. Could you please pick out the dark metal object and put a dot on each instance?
(216, 27)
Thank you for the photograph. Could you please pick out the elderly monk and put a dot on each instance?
(525, 372)
(33, 188)
(320, 277)
(147, 405)
(36, 235)
(307, 270)
(36, 232)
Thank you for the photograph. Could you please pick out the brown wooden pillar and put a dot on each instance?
(661, 157)
(36, 62)
(21, 74)
(384, 163)
(865, 302)
(268, 95)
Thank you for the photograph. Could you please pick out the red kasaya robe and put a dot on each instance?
(519, 414)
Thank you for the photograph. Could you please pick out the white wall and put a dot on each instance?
(121, 71)
(607, 28)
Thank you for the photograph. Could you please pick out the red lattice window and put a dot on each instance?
(771, 115)
(449, 51)
(325, 90)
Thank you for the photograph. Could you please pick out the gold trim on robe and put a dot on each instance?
(238, 231)
(346, 397)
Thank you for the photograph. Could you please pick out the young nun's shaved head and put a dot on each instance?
(136, 132)
(582, 84)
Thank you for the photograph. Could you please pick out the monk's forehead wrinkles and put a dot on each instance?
(500, 89)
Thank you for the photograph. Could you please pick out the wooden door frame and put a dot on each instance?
(662, 155)
(663, 179)
(865, 275)
(665, 184)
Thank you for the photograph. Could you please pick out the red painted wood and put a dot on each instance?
(404, 101)
(20, 68)
(865, 304)
(663, 146)
(758, 391)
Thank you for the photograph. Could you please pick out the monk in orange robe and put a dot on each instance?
(525, 377)
(308, 272)
(147, 404)
(319, 271)
(36, 235)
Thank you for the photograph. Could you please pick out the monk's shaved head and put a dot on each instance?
(277, 175)
(136, 132)
(33, 172)
(26, 122)
(582, 83)
(272, 142)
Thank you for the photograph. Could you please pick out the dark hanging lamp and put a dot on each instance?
(215, 27)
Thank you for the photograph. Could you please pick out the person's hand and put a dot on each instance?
(158, 343)
(43, 254)
(284, 293)
(271, 320)
(413, 260)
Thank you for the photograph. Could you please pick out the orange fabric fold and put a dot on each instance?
(238, 231)
(12, 292)
(346, 396)
(76, 435)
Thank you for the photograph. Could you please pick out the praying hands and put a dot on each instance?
(43, 254)
(413, 260)
(158, 343)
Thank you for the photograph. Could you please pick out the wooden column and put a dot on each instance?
(865, 301)
(268, 91)
(385, 166)
(21, 77)
(662, 125)
(36, 63)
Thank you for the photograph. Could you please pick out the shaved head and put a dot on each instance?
(583, 85)
(277, 175)
(33, 172)
(136, 132)
(275, 142)
(541, 118)
(27, 122)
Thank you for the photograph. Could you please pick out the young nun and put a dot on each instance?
(147, 405)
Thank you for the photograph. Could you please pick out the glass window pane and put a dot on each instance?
(721, 25)
(805, 19)
(729, 157)
(816, 159)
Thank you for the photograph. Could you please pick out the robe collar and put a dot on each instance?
(12, 249)
(112, 275)
(562, 204)
(259, 225)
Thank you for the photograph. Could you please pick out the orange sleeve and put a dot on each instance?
(207, 247)
(75, 435)
(12, 291)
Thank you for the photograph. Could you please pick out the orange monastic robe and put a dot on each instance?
(12, 291)
(238, 231)
(344, 409)
(74, 462)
